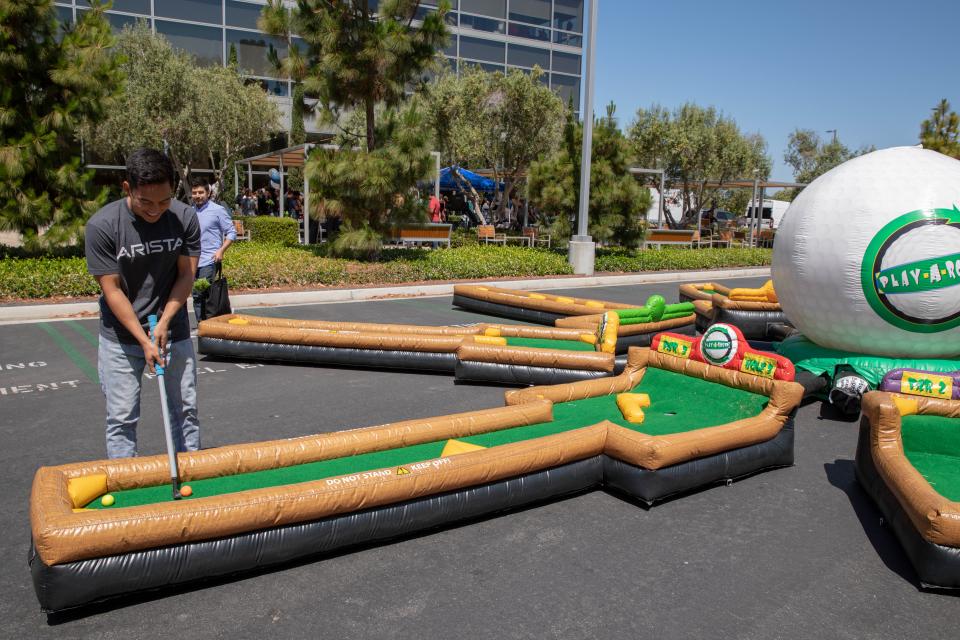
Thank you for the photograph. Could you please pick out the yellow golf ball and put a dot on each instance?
(107, 500)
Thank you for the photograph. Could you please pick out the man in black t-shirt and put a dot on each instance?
(143, 251)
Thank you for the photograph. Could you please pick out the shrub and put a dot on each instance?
(271, 230)
(622, 260)
(463, 238)
(45, 278)
(362, 243)
(251, 265)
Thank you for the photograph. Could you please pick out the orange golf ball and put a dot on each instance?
(186, 491)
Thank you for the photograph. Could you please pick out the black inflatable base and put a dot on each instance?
(373, 358)
(520, 375)
(755, 325)
(937, 566)
(76, 584)
(505, 311)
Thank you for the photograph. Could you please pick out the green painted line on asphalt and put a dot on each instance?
(82, 363)
(82, 330)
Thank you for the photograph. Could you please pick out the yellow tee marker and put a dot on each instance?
(238, 321)
(453, 447)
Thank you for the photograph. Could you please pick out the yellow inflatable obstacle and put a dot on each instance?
(631, 405)
(765, 293)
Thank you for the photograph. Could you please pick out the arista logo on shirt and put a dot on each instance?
(146, 248)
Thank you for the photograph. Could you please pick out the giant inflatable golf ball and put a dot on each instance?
(867, 258)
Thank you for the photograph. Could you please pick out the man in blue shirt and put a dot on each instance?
(217, 233)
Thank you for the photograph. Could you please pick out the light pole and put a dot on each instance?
(582, 248)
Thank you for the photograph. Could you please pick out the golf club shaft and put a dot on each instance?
(167, 432)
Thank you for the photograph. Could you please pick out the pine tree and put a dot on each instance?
(360, 61)
(942, 131)
(51, 82)
(617, 202)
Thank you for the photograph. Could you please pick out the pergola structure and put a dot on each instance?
(758, 186)
(296, 156)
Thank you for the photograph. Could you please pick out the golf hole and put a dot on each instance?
(669, 413)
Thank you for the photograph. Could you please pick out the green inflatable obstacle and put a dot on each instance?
(821, 361)
(656, 309)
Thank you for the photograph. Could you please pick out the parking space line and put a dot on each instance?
(82, 330)
(82, 363)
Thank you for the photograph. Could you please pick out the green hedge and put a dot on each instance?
(250, 265)
(271, 230)
(623, 261)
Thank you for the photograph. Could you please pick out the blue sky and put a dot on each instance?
(870, 69)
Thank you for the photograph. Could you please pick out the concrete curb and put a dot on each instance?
(79, 310)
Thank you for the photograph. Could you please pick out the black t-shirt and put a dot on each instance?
(145, 256)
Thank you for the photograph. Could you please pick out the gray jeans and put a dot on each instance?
(121, 371)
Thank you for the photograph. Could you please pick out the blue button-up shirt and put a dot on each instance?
(215, 225)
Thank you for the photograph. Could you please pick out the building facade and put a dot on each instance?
(497, 35)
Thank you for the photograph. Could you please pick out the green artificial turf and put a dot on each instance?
(541, 343)
(678, 403)
(932, 445)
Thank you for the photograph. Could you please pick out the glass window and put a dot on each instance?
(205, 43)
(568, 39)
(531, 11)
(451, 64)
(528, 56)
(566, 62)
(242, 14)
(130, 6)
(543, 79)
(566, 87)
(493, 8)
(524, 31)
(568, 15)
(451, 48)
(478, 49)
(421, 12)
(196, 10)
(253, 50)
(64, 15)
(272, 87)
(482, 24)
(491, 68)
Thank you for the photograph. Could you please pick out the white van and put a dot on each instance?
(771, 213)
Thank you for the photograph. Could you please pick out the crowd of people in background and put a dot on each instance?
(265, 201)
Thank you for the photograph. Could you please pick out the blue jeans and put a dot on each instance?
(206, 271)
(121, 370)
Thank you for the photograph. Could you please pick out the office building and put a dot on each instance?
(494, 34)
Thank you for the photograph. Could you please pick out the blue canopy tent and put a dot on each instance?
(449, 183)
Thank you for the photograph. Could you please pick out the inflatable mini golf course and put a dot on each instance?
(908, 461)
(669, 423)
(504, 354)
(638, 324)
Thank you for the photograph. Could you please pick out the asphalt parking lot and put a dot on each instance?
(793, 553)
